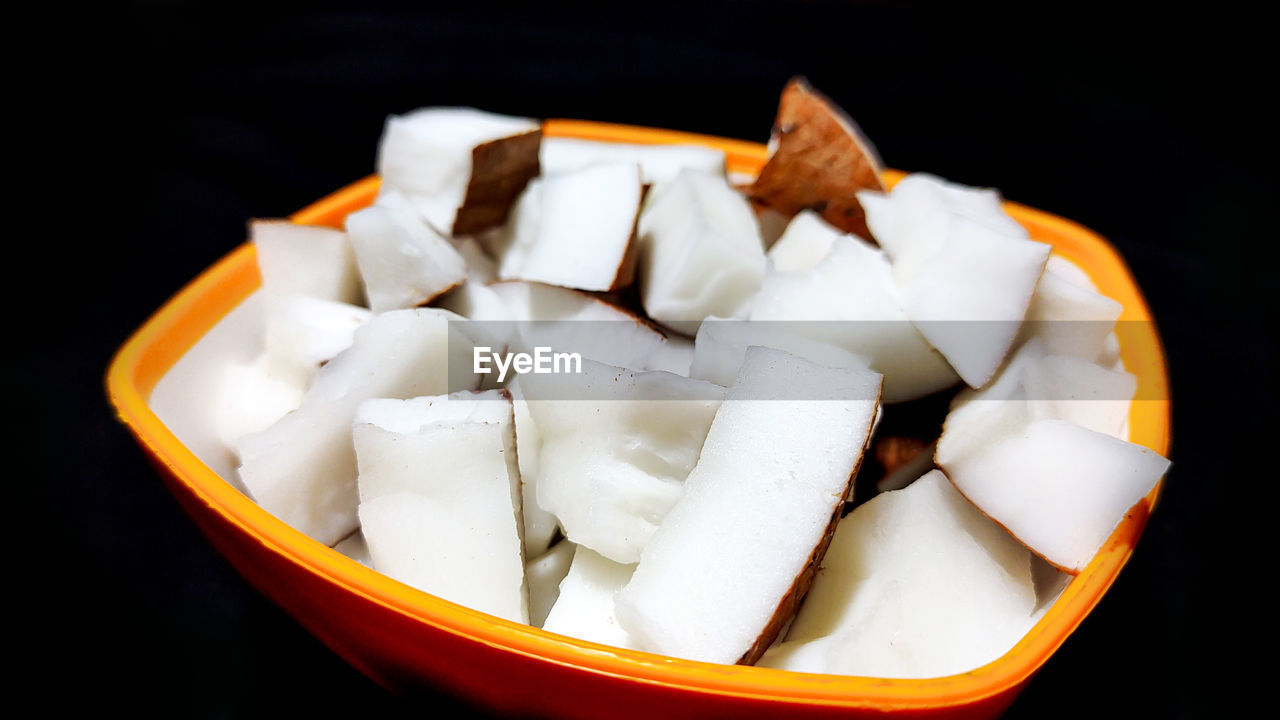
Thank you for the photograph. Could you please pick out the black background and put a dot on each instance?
(174, 123)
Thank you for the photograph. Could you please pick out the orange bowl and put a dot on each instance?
(406, 639)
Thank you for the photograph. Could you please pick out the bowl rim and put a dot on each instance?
(168, 334)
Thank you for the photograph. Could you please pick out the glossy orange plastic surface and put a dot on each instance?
(407, 640)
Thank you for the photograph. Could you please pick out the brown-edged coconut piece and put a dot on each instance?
(462, 168)
(819, 161)
(732, 559)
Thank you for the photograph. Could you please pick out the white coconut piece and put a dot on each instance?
(1036, 386)
(917, 583)
(1080, 392)
(736, 554)
(807, 240)
(658, 163)
(571, 321)
(850, 300)
(722, 345)
(615, 446)
(966, 271)
(1070, 319)
(584, 609)
(461, 167)
(539, 525)
(252, 399)
(303, 333)
(1059, 488)
(543, 576)
(449, 464)
(302, 469)
(575, 229)
(404, 262)
(700, 251)
(307, 260)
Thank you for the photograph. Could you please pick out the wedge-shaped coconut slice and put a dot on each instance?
(462, 168)
(575, 229)
(303, 333)
(543, 576)
(850, 300)
(615, 446)
(539, 525)
(722, 345)
(965, 270)
(1070, 319)
(818, 161)
(306, 260)
(404, 262)
(658, 163)
(570, 321)
(1059, 488)
(736, 554)
(253, 398)
(302, 469)
(700, 252)
(439, 497)
(584, 609)
(917, 583)
(807, 240)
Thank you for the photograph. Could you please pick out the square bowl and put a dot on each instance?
(408, 640)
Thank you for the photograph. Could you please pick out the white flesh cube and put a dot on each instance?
(584, 609)
(700, 251)
(1059, 488)
(575, 229)
(658, 163)
(430, 155)
(966, 271)
(543, 575)
(615, 446)
(439, 497)
(302, 469)
(849, 299)
(722, 344)
(806, 241)
(571, 321)
(737, 552)
(917, 583)
(304, 332)
(404, 262)
(252, 399)
(305, 260)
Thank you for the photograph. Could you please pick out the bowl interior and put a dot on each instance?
(163, 384)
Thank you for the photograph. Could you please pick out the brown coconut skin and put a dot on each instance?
(794, 596)
(821, 160)
(499, 171)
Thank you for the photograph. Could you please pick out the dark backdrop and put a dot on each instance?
(174, 123)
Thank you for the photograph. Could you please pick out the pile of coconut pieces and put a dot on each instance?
(690, 491)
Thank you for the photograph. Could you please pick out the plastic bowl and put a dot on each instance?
(405, 639)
